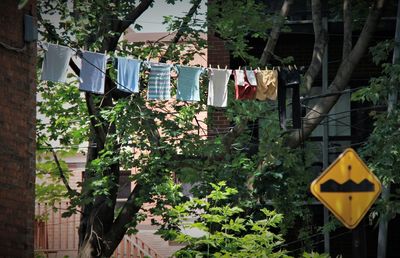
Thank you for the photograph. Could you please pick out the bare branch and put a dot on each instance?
(346, 68)
(319, 46)
(132, 16)
(347, 28)
(119, 26)
(274, 34)
(182, 28)
(71, 192)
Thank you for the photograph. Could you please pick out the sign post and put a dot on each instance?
(347, 188)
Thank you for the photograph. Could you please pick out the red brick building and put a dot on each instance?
(17, 131)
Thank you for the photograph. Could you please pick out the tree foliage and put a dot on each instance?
(225, 232)
(120, 131)
(382, 150)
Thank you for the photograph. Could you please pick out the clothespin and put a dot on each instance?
(209, 66)
(266, 68)
(40, 44)
(290, 67)
(240, 67)
(218, 67)
(78, 53)
(226, 67)
(279, 68)
(295, 67)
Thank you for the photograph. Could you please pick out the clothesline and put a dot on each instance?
(93, 73)
(249, 84)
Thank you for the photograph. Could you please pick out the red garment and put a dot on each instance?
(243, 88)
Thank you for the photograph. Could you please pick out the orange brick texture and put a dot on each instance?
(17, 132)
(217, 55)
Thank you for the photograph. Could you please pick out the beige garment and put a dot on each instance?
(267, 84)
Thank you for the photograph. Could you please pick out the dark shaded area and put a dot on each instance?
(348, 186)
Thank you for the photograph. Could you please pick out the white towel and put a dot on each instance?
(55, 63)
(218, 87)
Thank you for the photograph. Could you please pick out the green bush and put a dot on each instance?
(225, 232)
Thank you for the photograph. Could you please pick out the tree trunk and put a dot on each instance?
(274, 34)
(85, 250)
(320, 40)
(318, 112)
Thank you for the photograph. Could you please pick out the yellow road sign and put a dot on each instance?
(347, 188)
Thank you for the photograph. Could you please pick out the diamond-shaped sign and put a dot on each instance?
(347, 188)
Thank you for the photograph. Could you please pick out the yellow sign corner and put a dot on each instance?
(347, 188)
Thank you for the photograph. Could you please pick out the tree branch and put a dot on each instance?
(93, 113)
(71, 192)
(319, 45)
(239, 128)
(274, 34)
(346, 68)
(118, 228)
(182, 28)
(119, 26)
(132, 16)
(347, 28)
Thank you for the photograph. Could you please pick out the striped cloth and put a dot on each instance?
(159, 86)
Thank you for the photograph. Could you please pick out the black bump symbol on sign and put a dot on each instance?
(348, 186)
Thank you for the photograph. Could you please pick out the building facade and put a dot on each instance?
(17, 133)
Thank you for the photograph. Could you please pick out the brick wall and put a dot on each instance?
(17, 132)
(217, 55)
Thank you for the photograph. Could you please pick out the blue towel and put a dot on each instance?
(128, 74)
(159, 86)
(93, 72)
(55, 63)
(188, 83)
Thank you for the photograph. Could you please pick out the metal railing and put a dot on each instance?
(132, 247)
(56, 236)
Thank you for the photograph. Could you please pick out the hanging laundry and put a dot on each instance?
(188, 88)
(289, 78)
(267, 84)
(128, 74)
(55, 63)
(243, 88)
(251, 77)
(218, 87)
(93, 72)
(239, 77)
(159, 86)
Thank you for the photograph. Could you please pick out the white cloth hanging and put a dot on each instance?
(55, 63)
(218, 87)
(93, 72)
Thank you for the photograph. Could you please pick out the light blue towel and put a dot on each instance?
(55, 63)
(128, 74)
(159, 86)
(188, 83)
(93, 72)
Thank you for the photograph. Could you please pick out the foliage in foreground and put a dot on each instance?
(224, 232)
